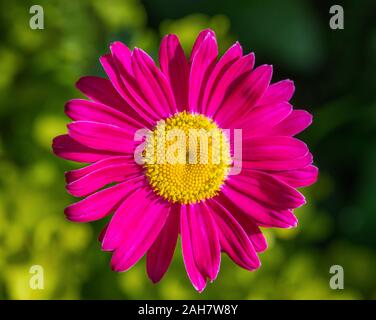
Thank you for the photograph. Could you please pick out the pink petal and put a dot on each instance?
(244, 95)
(122, 55)
(175, 67)
(204, 240)
(285, 219)
(67, 148)
(73, 175)
(103, 176)
(247, 223)
(261, 214)
(78, 109)
(230, 56)
(160, 254)
(154, 84)
(258, 120)
(254, 234)
(134, 227)
(128, 88)
(266, 189)
(281, 91)
(102, 136)
(201, 67)
(276, 164)
(233, 239)
(102, 203)
(133, 213)
(295, 123)
(302, 177)
(197, 278)
(200, 39)
(238, 70)
(274, 153)
(102, 91)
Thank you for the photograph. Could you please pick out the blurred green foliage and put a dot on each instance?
(334, 72)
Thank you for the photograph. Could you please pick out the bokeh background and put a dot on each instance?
(335, 76)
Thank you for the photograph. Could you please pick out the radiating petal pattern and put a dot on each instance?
(160, 254)
(176, 69)
(151, 204)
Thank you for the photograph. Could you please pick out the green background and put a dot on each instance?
(334, 73)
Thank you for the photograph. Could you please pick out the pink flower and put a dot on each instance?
(152, 203)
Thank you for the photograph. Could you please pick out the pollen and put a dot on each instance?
(186, 158)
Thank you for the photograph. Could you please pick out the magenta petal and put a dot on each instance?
(102, 91)
(237, 70)
(160, 254)
(102, 177)
(101, 203)
(276, 164)
(201, 67)
(255, 235)
(215, 78)
(197, 278)
(175, 67)
(128, 88)
(200, 39)
(281, 91)
(247, 223)
(73, 175)
(258, 120)
(244, 95)
(134, 227)
(136, 202)
(78, 109)
(204, 240)
(233, 239)
(282, 219)
(67, 148)
(122, 55)
(102, 136)
(295, 123)
(260, 213)
(274, 153)
(266, 189)
(154, 84)
(302, 177)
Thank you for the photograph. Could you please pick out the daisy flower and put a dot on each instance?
(214, 192)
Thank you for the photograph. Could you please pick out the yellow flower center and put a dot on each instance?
(187, 158)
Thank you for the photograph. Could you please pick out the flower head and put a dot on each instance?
(203, 148)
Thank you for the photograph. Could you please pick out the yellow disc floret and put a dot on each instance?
(187, 158)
